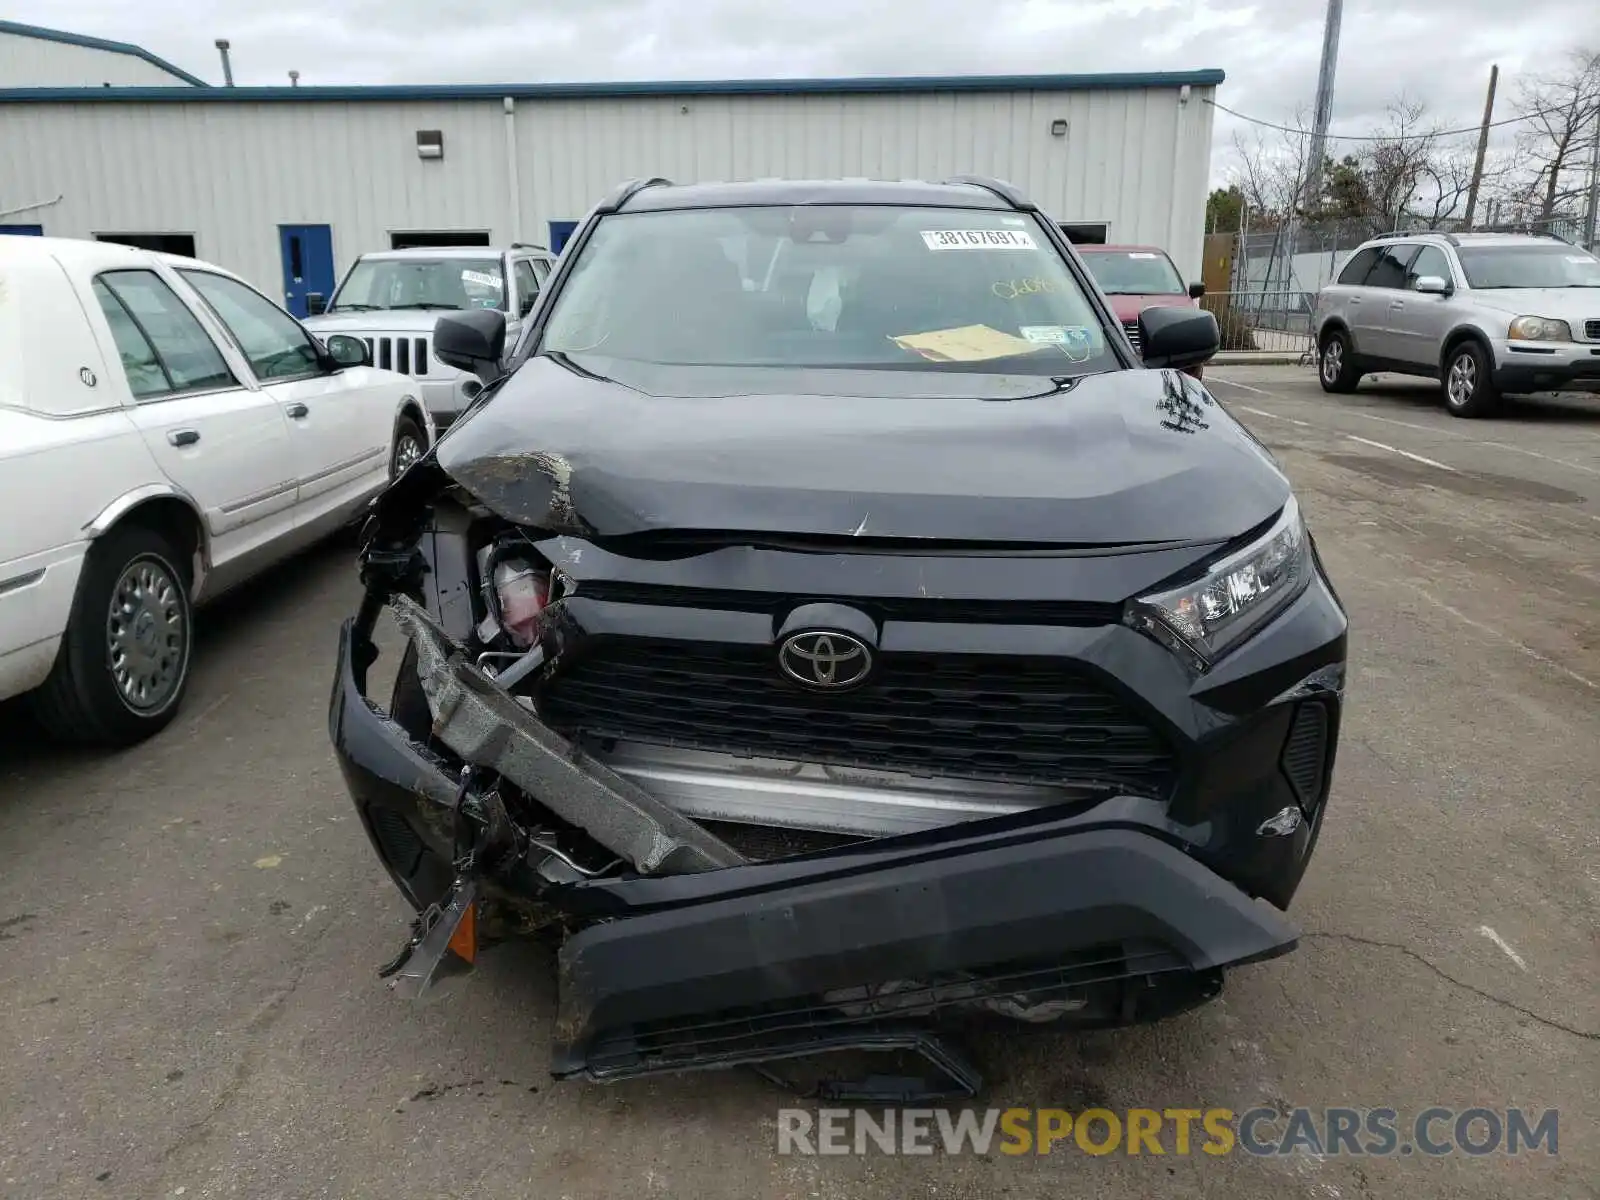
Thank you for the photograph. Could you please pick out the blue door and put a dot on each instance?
(307, 265)
(23, 230)
(560, 231)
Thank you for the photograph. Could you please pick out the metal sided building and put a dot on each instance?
(286, 185)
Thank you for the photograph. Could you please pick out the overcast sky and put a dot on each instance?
(1438, 51)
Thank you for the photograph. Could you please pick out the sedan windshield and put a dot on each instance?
(1134, 273)
(1553, 266)
(422, 283)
(828, 286)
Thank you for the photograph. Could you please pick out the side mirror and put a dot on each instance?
(1433, 285)
(471, 341)
(1196, 290)
(348, 351)
(1178, 337)
(316, 304)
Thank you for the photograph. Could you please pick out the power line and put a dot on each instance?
(1349, 137)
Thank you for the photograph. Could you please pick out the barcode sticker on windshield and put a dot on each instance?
(978, 239)
(480, 277)
(1141, 254)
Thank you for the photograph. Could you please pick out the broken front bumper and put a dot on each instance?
(702, 959)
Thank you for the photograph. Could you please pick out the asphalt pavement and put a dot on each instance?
(189, 931)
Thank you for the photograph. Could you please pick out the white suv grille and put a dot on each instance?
(1591, 330)
(407, 355)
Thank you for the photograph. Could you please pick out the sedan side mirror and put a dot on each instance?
(348, 351)
(1178, 337)
(471, 341)
(1433, 285)
(1196, 290)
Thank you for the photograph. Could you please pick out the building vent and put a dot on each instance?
(430, 143)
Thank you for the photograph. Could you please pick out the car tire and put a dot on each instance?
(123, 666)
(1469, 389)
(1337, 369)
(410, 444)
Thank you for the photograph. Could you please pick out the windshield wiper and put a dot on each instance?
(397, 307)
(352, 308)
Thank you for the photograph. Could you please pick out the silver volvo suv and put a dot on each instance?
(1487, 314)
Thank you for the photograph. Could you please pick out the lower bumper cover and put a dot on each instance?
(1557, 370)
(980, 906)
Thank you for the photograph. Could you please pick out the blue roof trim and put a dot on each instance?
(94, 43)
(860, 85)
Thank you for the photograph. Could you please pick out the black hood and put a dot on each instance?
(1128, 456)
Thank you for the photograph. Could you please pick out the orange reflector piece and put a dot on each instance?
(464, 941)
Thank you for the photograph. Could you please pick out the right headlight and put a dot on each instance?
(1204, 618)
(1539, 329)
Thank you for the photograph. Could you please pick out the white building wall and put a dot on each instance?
(230, 172)
(38, 62)
(1136, 159)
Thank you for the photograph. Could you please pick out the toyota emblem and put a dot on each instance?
(825, 659)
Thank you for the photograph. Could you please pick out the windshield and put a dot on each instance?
(1134, 273)
(1552, 266)
(828, 286)
(422, 283)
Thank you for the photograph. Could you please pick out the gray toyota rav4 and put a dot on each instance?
(1487, 314)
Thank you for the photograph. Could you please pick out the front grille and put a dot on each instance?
(1305, 752)
(1132, 329)
(896, 608)
(407, 355)
(962, 716)
(1591, 330)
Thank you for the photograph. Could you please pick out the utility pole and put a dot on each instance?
(1324, 109)
(1594, 183)
(1483, 145)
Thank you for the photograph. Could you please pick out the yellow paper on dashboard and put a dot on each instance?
(969, 343)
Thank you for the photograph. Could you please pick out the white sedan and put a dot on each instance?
(166, 432)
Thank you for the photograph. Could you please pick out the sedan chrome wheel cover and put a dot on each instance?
(1332, 361)
(1463, 381)
(406, 451)
(147, 636)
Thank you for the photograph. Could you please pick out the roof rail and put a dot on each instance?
(1416, 233)
(628, 190)
(997, 187)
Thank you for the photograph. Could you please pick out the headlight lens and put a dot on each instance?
(1540, 329)
(1204, 618)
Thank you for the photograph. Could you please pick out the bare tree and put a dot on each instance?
(1560, 109)
(1270, 170)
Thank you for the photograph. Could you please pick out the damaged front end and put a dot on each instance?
(550, 761)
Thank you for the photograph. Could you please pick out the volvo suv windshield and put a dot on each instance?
(422, 283)
(828, 286)
(1532, 266)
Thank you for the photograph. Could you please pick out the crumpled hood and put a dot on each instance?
(1123, 457)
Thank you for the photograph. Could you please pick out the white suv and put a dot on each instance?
(1488, 314)
(166, 431)
(391, 299)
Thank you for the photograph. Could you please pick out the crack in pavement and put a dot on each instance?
(1549, 1022)
(199, 1129)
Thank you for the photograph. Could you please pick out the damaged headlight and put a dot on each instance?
(1204, 618)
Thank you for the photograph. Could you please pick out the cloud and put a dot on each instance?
(1435, 51)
